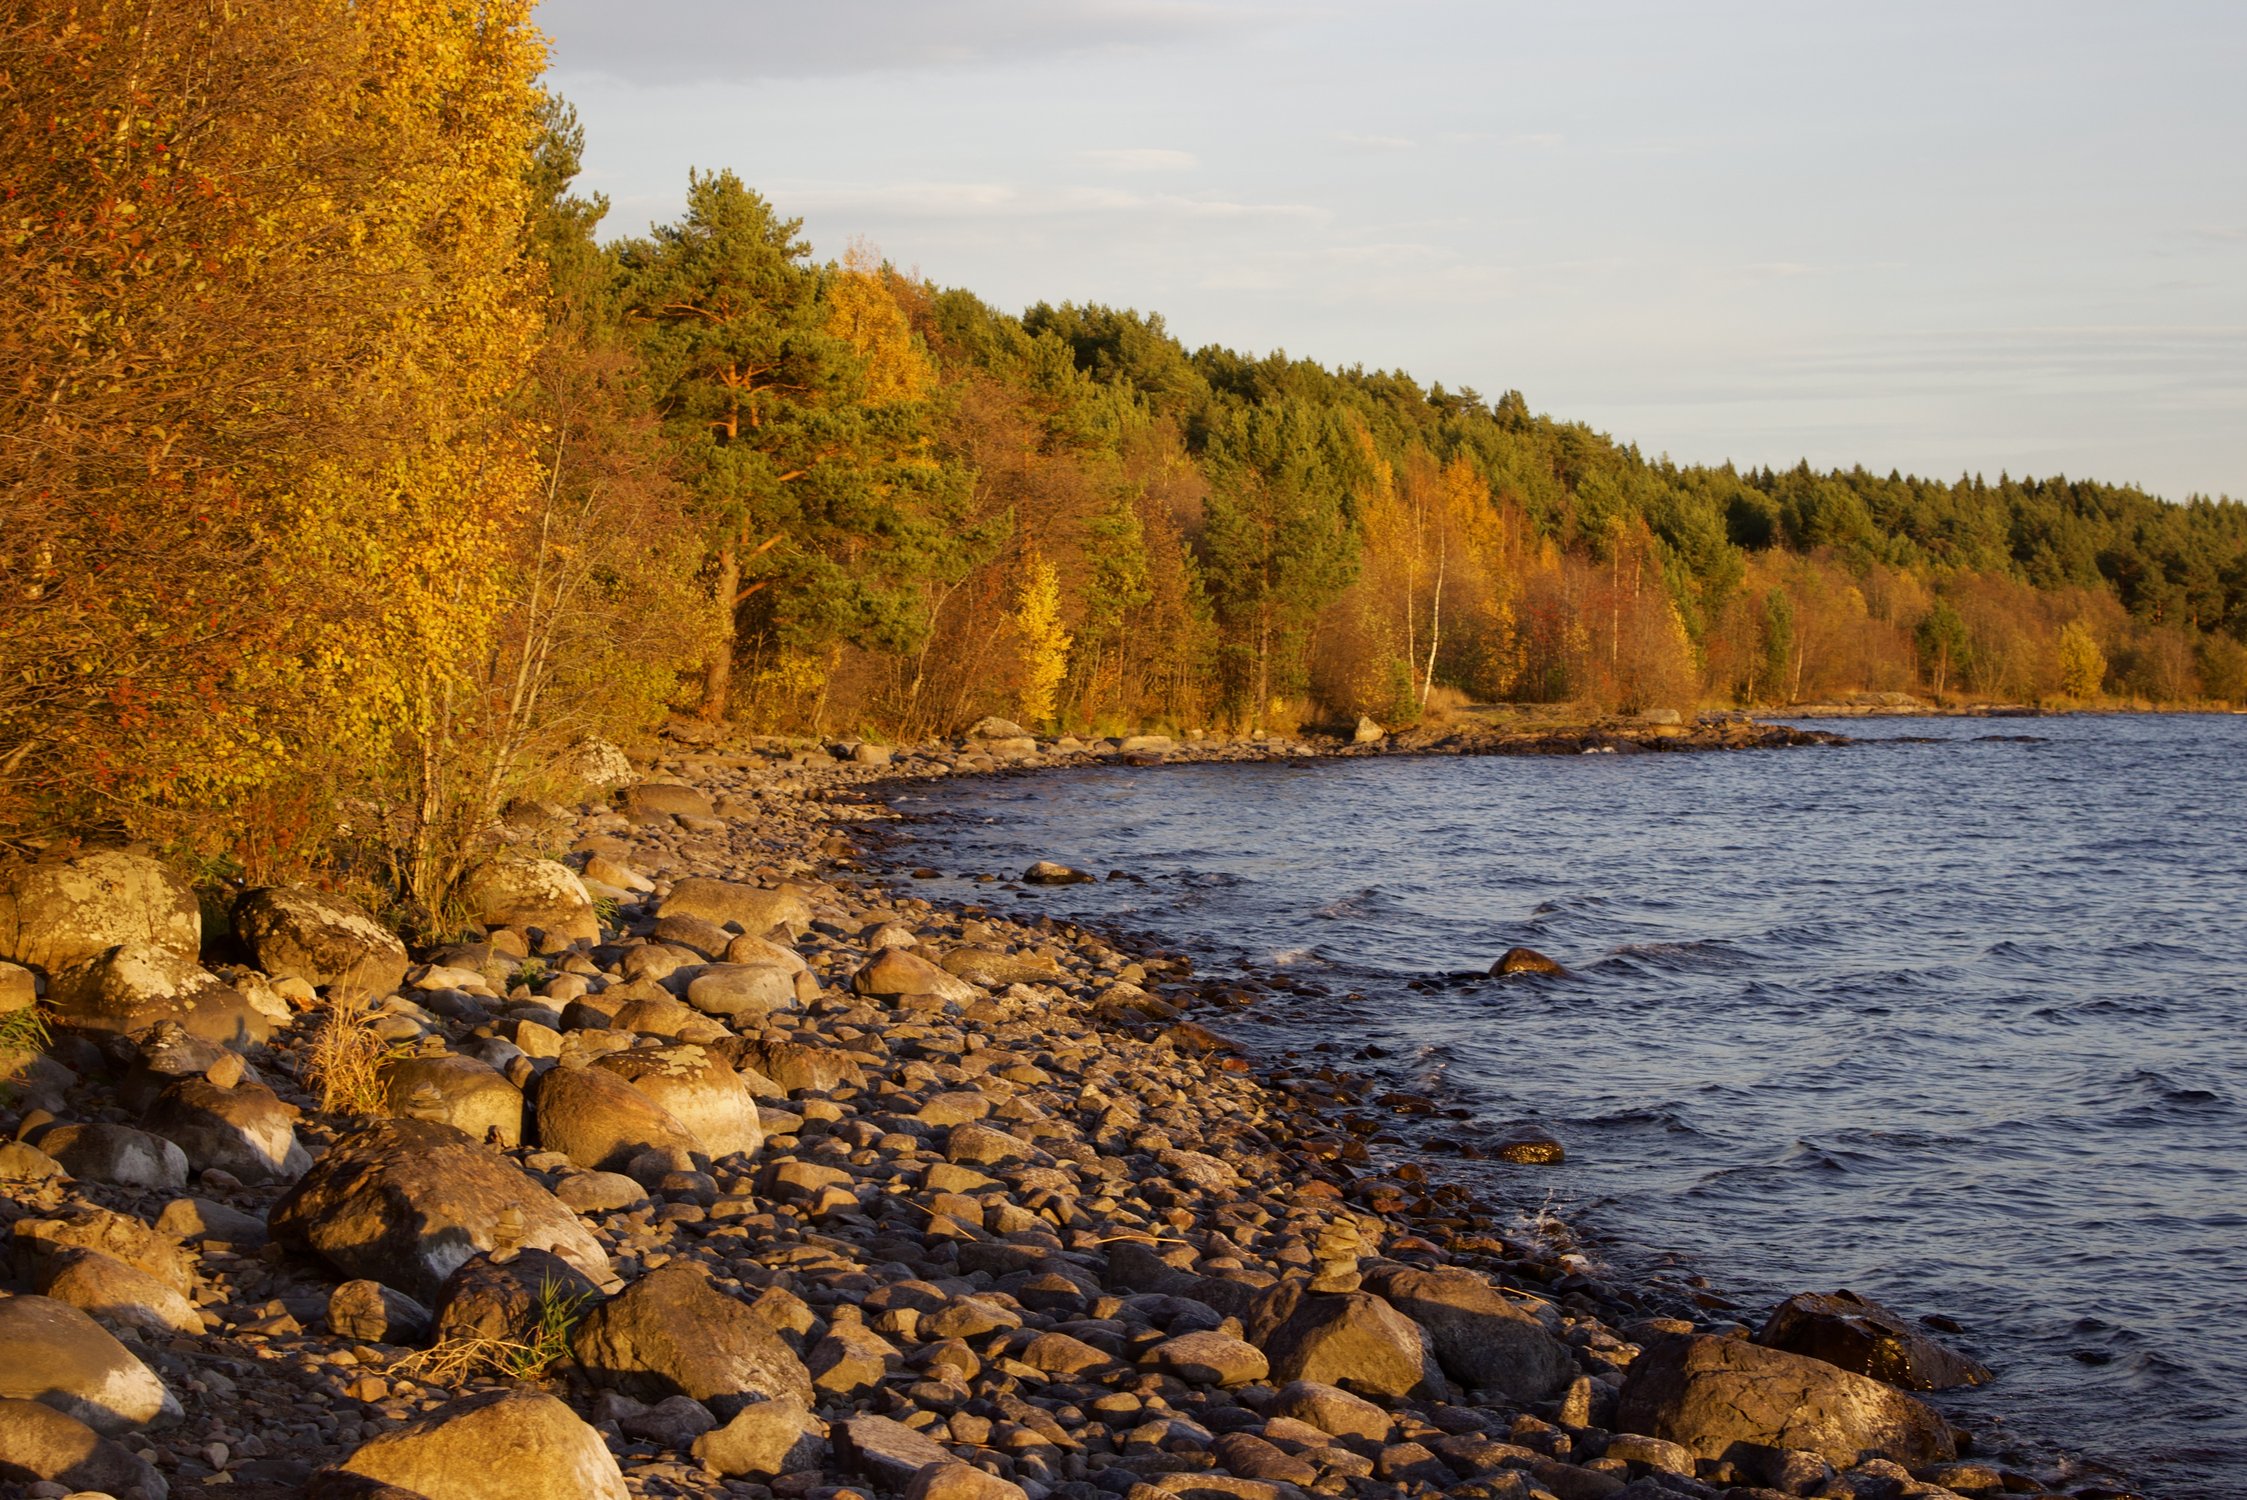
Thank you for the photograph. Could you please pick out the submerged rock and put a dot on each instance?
(1524, 961)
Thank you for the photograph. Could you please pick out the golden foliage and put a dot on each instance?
(2083, 666)
(1045, 645)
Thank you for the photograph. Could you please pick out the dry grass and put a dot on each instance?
(344, 1065)
(456, 1360)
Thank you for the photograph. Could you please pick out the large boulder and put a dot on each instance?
(130, 989)
(799, 1066)
(405, 1202)
(19, 988)
(246, 1130)
(598, 1120)
(323, 940)
(1715, 1396)
(39, 1443)
(466, 1093)
(886, 1451)
(511, 891)
(904, 978)
(698, 1089)
(754, 910)
(64, 912)
(1846, 1331)
(1358, 1342)
(499, 1445)
(1483, 1341)
(742, 992)
(59, 1356)
(672, 1333)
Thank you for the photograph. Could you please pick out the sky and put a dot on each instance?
(1973, 236)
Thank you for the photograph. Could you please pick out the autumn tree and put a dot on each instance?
(2083, 666)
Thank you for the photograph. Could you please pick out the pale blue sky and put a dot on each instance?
(1940, 237)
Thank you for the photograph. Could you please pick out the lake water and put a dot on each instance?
(1954, 1019)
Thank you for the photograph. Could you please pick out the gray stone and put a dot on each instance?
(116, 1294)
(698, 1090)
(511, 891)
(245, 1130)
(59, 1356)
(115, 1153)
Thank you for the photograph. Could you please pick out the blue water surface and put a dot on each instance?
(1955, 1017)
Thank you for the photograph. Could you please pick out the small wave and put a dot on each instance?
(1700, 953)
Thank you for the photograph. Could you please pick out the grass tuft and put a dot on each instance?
(344, 1066)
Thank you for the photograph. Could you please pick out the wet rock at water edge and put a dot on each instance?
(1712, 1395)
(1051, 872)
(1524, 961)
(1531, 1148)
(1847, 1331)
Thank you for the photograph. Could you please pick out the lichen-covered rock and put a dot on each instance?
(404, 1202)
(500, 1445)
(38, 1443)
(464, 1092)
(511, 891)
(799, 1067)
(63, 912)
(246, 1130)
(698, 1089)
(326, 941)
(598, 1120)
(753, 909)
(1482, 1341)
(128, 990)
(59, 1356)
(672, 1333)
(1708, 1394)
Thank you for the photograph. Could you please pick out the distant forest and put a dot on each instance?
(346, 464)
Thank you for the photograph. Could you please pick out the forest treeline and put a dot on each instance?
(350, 477)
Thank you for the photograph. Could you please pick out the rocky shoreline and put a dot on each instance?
(713, 1166)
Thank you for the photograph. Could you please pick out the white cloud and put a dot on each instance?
(1141, 159)
(1374, 142)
